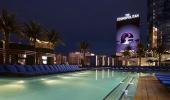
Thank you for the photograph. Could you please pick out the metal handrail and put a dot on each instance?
(114, 89)
(14, 51)
(126, 88)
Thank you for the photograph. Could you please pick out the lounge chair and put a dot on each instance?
(56, 68)
(42, 69)
(11, 69)
(52, 68)
(30, 69)
(166, 83)
(23, 71)
(2, 69)
(48, 69)
(37, 69)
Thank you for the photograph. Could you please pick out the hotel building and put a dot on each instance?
(159, 23)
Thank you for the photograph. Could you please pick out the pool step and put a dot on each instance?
(131, 90)
(118, 92)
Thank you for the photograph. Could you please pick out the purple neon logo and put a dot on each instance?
(126, 38)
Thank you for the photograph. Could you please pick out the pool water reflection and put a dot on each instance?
(84, 85)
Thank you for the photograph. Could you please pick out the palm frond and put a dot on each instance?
(54, 38)
(9, 24)
(33, 30)
(84, 46)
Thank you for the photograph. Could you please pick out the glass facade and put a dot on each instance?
(159, 22)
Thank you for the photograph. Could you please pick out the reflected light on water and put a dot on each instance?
(12, 87)
(112, 73)
(78, 74)
(52, 82)
(96, 75)
(20, 82)
(42, 79)
(103, 74)
(67, 77)
(108, 74)
(82, 73)
(121, 82)
(131, 83)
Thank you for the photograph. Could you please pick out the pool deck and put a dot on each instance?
(149, 88)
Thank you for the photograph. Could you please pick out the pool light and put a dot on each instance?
(52, 82)
(20, 82)
(42, 79)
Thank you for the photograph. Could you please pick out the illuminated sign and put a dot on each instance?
(128, 16)
(128, 32)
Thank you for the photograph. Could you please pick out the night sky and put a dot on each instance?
(89, 20)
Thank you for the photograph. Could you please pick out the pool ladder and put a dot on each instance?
(120, 90)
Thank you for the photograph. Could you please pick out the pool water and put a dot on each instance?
(84, 85)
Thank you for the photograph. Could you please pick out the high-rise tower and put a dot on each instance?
(159, 23)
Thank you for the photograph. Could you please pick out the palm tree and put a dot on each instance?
(54, 38)
(154, 51)
(160, 50)
(8, 25)
(126, 53)
(84, 46)
(33, 31)
(140, 52)
(150, 61)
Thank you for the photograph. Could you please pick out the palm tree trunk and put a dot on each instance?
(159, 59)
(35, 55)
(139, 58)
(126, 62)
(6, 48)
(140, 61)
(84, 57)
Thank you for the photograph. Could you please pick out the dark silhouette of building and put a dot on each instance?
(159, 22)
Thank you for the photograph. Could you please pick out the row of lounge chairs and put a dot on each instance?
(163, 78)
(143, 69)
(32, 70)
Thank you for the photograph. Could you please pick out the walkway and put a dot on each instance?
(149, 88)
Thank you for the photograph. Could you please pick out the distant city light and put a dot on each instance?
(24, 55)
(155, 29)
(108, 61)
(92, 54)
(44, 62)
(96, 61)
(44, 57)
(77, 53)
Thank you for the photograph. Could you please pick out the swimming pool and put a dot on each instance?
(84, 85)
